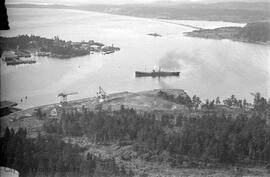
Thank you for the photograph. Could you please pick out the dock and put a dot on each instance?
(7, 107)
(12, 58)
(182, 24)
(23, 53)
(17, 61)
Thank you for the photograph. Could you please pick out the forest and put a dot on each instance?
(49, 156)
(260, 104)
(256, 31)
(208, 137)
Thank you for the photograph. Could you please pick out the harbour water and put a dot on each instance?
(209, 68)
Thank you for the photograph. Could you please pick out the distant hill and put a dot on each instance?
(228, 11)
(249, 1)
(231, 11)
(257, 32)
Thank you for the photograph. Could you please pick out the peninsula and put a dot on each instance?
(25, 46)
(257, 32)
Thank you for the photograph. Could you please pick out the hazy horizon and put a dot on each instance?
(79, 2)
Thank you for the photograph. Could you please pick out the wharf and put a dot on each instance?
(11, 58)
(16, 61)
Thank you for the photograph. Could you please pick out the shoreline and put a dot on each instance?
(233, 40)
(126, 98)
(75, 101)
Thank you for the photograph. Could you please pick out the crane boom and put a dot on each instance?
(64, 96)
(101, 94)
(253, 94)
(102, 91)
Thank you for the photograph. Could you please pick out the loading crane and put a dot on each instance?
(253, 94)
(101, 95)
(64, 95)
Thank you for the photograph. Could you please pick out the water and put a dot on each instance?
(209, 68)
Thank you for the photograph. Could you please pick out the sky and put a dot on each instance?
(94, 1)
(77, 2)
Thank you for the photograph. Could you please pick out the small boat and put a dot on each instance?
(156, 74)
(108, 52)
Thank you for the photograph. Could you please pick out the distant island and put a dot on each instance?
(25, 46)
(257, 32)
(155, 34)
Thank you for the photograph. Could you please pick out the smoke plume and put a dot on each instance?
(169, 61)
(192, 62)
(175, 60)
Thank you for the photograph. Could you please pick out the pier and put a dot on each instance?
(17, 61)
(181, 24)
(7, 107)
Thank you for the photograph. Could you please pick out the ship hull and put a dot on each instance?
(156, 74)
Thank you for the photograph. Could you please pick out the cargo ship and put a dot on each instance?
(156, 74)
